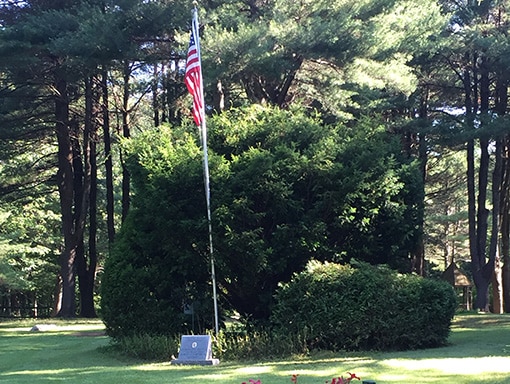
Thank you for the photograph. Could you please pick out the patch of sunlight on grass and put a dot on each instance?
(12, 330)
(326, 359)
(38, 372)
(221, 378)
(326, 366)
(460, 366)
(150, 367)
(255, 370)
(56, 327)
(327, 372)
(396, 378)
(82, 327)
(229, 375)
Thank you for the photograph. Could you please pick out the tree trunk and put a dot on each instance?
(501, 173)
(57, 297)
(283, 91)
(505, 226)
(155, 96)
(87, 271)
(494, 261)
(126, 182)
(87, 290)
(419, 252)
(110, 214)
(66, 193)
(86, 265)
(504, 209)
(497, 288)
(474, 215)
(219, 98)
(481, 275)
(477, 214)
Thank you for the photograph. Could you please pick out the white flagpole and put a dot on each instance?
(203, 135)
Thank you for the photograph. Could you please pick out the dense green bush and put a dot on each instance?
(130, 302)
(159, 261)
(284, 188)
(335, 307)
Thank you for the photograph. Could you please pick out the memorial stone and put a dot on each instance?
(195, 350)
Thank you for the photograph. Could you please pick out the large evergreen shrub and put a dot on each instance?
(284, 188)
(336, 307)
(159, 261)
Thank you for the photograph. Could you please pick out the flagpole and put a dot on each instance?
(203, 136)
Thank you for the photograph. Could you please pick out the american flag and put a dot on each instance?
(193, 76)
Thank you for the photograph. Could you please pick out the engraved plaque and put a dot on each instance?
(195, 350)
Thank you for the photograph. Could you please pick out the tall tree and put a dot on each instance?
(312, 52)
(64, 43)
(505, 225)
(473, 54)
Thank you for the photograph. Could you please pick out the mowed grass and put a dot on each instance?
(74, 352)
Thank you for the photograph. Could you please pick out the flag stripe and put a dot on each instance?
(193, 75)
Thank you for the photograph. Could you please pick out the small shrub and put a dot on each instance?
(337, 307)
(148, 347)
(242, 343)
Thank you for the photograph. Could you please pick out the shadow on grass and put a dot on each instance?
(478, 351)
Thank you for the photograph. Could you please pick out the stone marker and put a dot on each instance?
(195, 350)
(43, 328)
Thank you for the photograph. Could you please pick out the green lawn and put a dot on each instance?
(479, 352)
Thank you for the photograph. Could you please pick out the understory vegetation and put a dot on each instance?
(330, 307)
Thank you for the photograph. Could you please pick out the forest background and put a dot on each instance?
(88, 86)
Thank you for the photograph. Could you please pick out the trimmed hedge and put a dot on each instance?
(337, 307)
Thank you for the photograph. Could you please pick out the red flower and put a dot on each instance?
(294, 378)
(353, 376)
